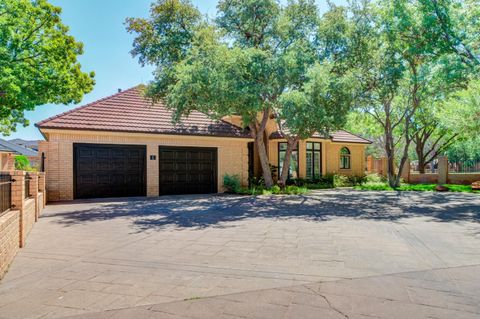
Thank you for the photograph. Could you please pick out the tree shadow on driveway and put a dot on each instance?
(219, 210)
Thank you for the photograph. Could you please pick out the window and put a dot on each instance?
(293, 169)
(344, 158)
(314, 160)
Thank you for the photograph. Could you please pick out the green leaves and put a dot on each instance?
(38, 61)
(320, 106)
(461, 111)
(250, 23)
(166, 36)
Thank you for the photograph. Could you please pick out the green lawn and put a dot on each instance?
(416, 187)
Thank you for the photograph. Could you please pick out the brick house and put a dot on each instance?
(123, 145)
(9, 150)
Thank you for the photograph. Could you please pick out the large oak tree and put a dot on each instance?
(258, 59)
(38, 61)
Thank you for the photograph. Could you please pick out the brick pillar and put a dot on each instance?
(442, 170)
(42, 189)
(34, 192)
(406, 171)
(10, 163)
(18, 200)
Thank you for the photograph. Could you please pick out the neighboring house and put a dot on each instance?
(7, 161)
(25, 143)
(124, 145)
(9, 150)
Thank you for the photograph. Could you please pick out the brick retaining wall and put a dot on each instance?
(16, 224)
(28, 217)
(9, 239)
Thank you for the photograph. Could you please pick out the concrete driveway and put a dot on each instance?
(330, 254)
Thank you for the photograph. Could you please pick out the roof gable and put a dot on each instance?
(130, 111)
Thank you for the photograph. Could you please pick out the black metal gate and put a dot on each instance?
(5, 192)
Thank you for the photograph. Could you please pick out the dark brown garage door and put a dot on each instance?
(188, 170)
(109, 170)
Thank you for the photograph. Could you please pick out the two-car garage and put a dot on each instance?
(118, 170)
(127, 145)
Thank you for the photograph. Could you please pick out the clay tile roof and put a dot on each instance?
(347, 137)
(130, 111)
(340, 136)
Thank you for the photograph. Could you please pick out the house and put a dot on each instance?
(7, 161)
(9, 150)
(25, 143)
(123, 145)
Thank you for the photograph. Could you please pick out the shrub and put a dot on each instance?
(341, 181)
(373, 178)
(256, 181)
(275, 189)
(295, 190)
(231, 183)
(22, 163)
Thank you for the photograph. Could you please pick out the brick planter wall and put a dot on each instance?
(16, 223)
(29, 215)
(9, 239)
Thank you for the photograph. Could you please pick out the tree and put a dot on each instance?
(406, 53)
(257, 59)
(38, 61)
(462, 110)
(430, 136)
(321, 105)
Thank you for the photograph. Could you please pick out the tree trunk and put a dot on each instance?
(419, 149)
(257, 130)
(394, 177)
(421, 165)
(262, 154)
(282, 181)
(390, 152)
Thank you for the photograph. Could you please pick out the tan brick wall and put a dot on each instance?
(7, 162)
(28, 218)
(330, 157)
(416, 178)
(463, 178)
(232, 156)
(9, 239)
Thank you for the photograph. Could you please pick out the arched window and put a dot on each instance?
(344, 158)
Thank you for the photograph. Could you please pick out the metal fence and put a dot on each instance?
(28, 178)
(468, 166)
(430, 168)
(5, 192)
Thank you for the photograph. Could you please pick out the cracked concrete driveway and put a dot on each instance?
(329, 254)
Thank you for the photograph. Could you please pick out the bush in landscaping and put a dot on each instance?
(231, 183)
(341, 181)
(295, 190)
(374, 178)
(22, 163)
(317, 183)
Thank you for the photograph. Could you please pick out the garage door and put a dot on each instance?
(109, 170)
(188, 170)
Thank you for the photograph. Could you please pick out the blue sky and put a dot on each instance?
(99, 25)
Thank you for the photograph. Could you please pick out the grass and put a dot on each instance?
(380, 186)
